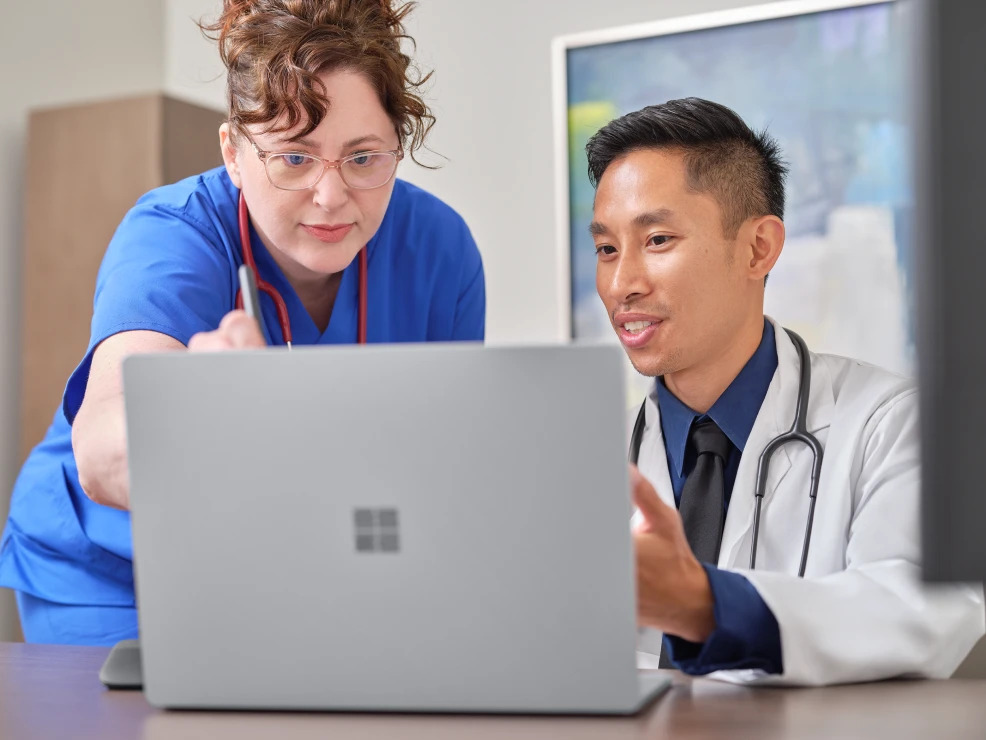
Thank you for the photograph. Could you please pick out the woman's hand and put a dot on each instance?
(236, 331)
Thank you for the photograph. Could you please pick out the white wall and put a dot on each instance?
(192, 68)
(57, 52)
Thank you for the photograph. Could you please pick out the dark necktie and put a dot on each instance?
(702, 506)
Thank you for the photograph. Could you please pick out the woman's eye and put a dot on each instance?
(605, 250)
(296, 160)
(361, 160)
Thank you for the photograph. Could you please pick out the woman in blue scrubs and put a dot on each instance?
(322, 107)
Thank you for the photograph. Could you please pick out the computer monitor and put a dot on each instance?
(950, 254)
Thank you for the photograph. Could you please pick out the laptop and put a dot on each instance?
(399, 528)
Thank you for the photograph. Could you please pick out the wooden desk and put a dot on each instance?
(54, 692)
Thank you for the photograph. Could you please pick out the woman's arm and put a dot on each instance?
(99, 437)
(99, 434)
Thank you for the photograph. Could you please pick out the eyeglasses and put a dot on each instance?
(300, 171)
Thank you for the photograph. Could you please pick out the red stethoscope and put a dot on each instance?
(264, 287)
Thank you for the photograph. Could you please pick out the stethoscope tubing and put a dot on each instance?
(798, 433)
(264, 287)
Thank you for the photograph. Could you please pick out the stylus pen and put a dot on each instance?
(251, 298)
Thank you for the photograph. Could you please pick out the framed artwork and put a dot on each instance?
(828, 80)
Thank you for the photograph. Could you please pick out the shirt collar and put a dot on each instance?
(734, 411)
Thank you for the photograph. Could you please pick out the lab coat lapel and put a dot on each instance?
(653, 459)
(776, 417)
(653, 465)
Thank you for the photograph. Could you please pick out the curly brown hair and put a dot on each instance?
(275, 50)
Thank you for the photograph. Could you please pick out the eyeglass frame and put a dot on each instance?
(327, 164)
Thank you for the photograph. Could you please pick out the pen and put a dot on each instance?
(251, 298)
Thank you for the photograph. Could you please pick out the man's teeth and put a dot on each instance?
(635, 327)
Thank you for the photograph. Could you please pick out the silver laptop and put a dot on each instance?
(386, 528)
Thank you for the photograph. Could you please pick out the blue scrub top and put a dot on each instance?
(171, 268)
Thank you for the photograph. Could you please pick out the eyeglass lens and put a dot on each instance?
(301, 171)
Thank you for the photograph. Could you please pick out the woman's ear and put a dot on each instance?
(229, 152)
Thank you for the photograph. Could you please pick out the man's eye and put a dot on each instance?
(658, 240)
(605, 249)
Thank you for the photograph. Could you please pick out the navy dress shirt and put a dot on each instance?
(747, 634)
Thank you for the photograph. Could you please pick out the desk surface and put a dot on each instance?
(49, 691)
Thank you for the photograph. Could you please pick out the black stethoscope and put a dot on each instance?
(799, 433)
(264, 287)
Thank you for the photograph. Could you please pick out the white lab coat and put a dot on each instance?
(861, 612)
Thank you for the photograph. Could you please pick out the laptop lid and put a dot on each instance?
(406, 528)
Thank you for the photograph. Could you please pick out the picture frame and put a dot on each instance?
(828, 80)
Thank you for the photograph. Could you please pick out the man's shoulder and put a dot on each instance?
(863, 386)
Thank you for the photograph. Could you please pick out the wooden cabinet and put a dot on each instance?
(85, 166)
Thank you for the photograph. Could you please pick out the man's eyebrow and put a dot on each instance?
(597, 229)
(641, 220)
(653, 218)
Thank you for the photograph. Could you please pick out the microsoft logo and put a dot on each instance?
(376, 530)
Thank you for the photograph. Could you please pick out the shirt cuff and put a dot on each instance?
(746, 635)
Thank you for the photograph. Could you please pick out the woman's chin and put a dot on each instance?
(324, 264)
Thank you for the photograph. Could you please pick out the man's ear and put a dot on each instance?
(766, 240)
(229, 151)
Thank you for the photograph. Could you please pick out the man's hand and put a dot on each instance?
(236, 331)
(673, 592)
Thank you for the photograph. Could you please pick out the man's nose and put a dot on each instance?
(628, 279)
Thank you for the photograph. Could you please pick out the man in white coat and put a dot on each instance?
(687, 223)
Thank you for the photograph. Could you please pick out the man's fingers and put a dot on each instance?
(652, 509)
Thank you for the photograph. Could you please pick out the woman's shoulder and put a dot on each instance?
(201, 198)
(192, 221)
(420, 223)
(410, 203)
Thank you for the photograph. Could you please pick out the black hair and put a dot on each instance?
(741, 168)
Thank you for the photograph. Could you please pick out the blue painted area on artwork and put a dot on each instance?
(830, 86)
